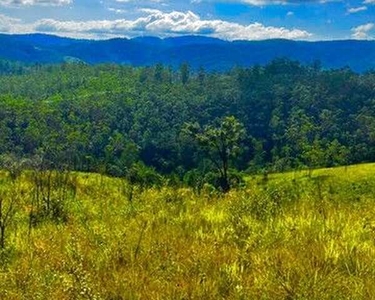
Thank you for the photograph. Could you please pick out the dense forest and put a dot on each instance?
(113, 119)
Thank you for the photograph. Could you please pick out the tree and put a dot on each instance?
(313, 155)
(158, 73)
(336, 154)
(201, 76)
(221, 143)
(185, 73)
(121, 153)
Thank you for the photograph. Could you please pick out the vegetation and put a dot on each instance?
(221, 144)
(108, 119)
(288, 237)
(153, 183)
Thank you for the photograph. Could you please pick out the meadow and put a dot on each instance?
(284, 236)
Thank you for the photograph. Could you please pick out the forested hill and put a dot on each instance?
(108, 117)
(212, 54)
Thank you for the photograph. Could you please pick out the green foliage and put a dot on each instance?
(120, 154)
(194, 179)
(106, 118)
(184, 73)
(141, 175)
(221, 144)
(13, 165)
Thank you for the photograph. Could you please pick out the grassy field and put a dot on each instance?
(288, 236)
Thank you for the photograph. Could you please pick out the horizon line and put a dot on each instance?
(180, 36)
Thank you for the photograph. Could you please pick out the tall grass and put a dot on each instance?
(290, 237)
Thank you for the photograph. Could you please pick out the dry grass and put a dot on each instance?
(293, 237)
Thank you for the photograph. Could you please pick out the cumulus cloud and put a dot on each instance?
(169, 24)
(8, 24)
(35, 2)
(362, 32)
(158, 23)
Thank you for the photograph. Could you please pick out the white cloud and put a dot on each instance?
(170, 24)
(362, 32)
(355, 10)
(35, 2)
(117, 10)
(369, 2)
(269, 2)
(8, 24)
(162, 24)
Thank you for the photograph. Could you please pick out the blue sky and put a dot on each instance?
(231, 20)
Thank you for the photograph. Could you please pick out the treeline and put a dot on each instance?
(110, 118)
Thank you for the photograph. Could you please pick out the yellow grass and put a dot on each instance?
(292, 237)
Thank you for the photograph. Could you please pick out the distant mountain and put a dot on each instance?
(210, 53)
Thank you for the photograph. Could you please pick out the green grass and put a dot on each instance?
(290, 237)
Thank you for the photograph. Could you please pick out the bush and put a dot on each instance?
(143, 176)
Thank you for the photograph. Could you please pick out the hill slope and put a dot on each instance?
(213, 54)
(302, 238)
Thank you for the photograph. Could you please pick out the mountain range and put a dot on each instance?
(210, 53)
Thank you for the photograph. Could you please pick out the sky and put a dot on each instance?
(225, 19)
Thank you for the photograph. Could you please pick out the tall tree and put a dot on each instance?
(185, 73)
(221, 143)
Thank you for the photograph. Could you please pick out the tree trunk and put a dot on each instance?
(224, 184)
(2, 237)
(224, 181)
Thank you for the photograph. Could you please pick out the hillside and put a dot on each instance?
(210, 53)
(288, 236)
(109, 118)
